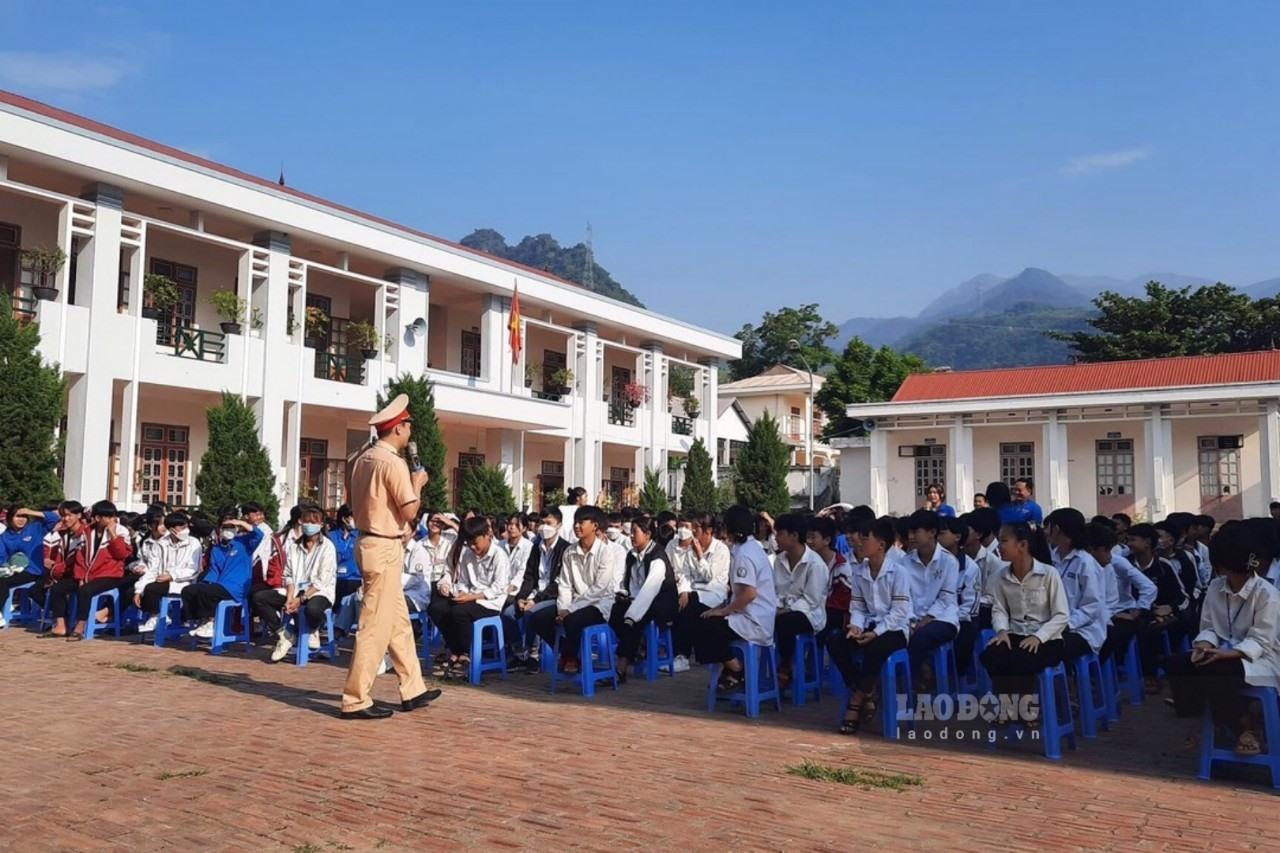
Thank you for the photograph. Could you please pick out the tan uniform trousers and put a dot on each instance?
(384, 625)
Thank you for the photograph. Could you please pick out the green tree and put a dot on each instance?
(699, 491)
(426, 433)
(653, 495)
(768, 344)
(235, 467)
(760, 474)
(484, 488)
(31, 405)
(862, 374)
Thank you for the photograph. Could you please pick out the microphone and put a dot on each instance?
(414, 462)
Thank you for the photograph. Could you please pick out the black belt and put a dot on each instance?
(380, 535)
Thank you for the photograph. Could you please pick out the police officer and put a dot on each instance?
(385, 499)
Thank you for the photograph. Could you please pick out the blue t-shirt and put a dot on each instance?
(946, 511)
(29, 540)
(842, 546)
(1028, 511)
(344, 543)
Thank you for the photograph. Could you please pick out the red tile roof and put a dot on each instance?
(168, 151)
(1140, 374)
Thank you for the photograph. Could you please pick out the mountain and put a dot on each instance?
(964, 293)
(543, 252)
(1034, 286)
(876, 331)
(1009, 338)
(1270, 287)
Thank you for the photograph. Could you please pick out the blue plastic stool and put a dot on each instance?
(495, 649)
(1055, 714)
(1094, 713)
(1130, 673)
(806, 679)
(979, 671)
(329, 647)
(96, 603)
(945, 672)
(1209, 751)
(169, 624)
(896, 671)
(659, 652)
(760, 667)
(15, 604)
(223, 635)
(1111, 685)
(595, 660)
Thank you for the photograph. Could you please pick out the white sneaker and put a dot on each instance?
(3, 623)
(149, 626)
(680, 664)
(203, 632)
(313, 641)
(284, 642)
(385, 666)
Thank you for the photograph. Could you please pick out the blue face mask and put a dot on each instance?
(310, 529)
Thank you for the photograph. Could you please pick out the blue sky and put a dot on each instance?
(732, 157)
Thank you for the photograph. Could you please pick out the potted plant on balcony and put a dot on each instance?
(256, 321)
(363, 335)
(45, 263)
(162, 294)
(230, 308)
(561, 381)
(691, 406)
(532, 369)
(636, 394)
(317, 323)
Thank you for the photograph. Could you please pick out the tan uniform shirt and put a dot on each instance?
(380, 486)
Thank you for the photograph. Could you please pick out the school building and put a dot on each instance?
(338, 301)
(1146, 437)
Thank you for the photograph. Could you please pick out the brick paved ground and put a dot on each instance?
(109, 758)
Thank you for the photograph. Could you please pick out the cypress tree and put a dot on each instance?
(31, 405)
(760, 475)
(699, 491)
(484, 488)
(426, 433)
(236, 467)
(653, 497)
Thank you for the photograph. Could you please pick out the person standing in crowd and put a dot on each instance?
(701, 561)
(477, 591)
(1024, 505)
(800, 582)
(170, 565)
(24, 534)
(935, 577)
(935, 498)
(229, 575)
(385, 500)
(648, 593)
(979, 501)
(751, 610)
(577, 497)
(310, 583)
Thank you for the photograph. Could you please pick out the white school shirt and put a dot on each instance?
(518, 558)
(1273, 572)
(616, 554)
(644, 587)
(415, 579)
(969, 588)
(990, 564)
(882, 603)
(1034, 606)
(1086, 590)
(933, 587)
(178, 560)
(1204, 566)
(1246, 621)
(262, 554)
(750, 566)
(315, 569)
(546, 547)
(802, 588)
(1133, 589)
(707, 575)
(587, 578)
(149, 549)
(488, 576)
(439, 555)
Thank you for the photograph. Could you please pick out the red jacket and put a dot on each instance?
(107, 563)
(274, 570)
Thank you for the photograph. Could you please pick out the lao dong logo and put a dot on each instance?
(979, 713)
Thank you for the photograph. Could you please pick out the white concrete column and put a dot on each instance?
(132, 389)
(89, 399)
(879, 471)
(655, 428)
(493, 344)
(705, 424)
(510, 460)
(4, 168)
(1269, 451)
(960, 478)
(408, 352)
(281, 363)
(1057, 490)
(1158, 431)
(588, 411)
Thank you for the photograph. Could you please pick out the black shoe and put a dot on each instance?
(423, 699)
(373, 712)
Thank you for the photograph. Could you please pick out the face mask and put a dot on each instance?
(181, 536)
(614, 534)
(228, 534)
(548, 532)
(684, 534)
(310, 529)
(626, 528)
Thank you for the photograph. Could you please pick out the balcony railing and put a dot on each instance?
(620, 414)
(681, 426)
(553, 396)
(24, 308)
(340, 368)
(200, 344)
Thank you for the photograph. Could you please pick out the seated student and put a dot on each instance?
(1083, 581)
(751, 610)
(93, 560)
(984, 523)
(170, 565)
(229, 575)
(667, 522)
(1237, 645)
(416, 579)
(1130, 594)
(585, 589)
(343, 535)
(1198, 534)
(764, 534)
(902, 527)
(1029, 612)
(935, 577)
(648, 592)
(538, 578)
(518, 549)
(935, 498)
(701, 561)
(879, 616)
(146, 540)
(477, 591)
(820, 539)
(954, 535)
(310, 583)
(25, 535)
(531, 522)
(800, 583)
(1170, 599)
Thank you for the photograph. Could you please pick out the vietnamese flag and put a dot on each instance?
(514, 326)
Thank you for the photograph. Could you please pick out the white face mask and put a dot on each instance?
(615, 533)
(684, 534)
(548, 532)
(228, 534)
(181, 535)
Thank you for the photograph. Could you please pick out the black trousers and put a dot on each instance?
(60, 594)
(966, 639)
(346, 586)
(7, 584)
(1119, 633)
(456, 620)
(711, 643)
(686, 626)
(267, 605)
(153, 595)
(127, 585)
(88, 590)
(543, 623)
(1216, 684)
(200, 600)
(1074, 645)
(860, 664)
(1014, 670)
(786, 627)
(661, 610)
(927, 638)
(1150, 646)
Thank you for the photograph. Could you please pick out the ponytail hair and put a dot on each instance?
(1024, 531)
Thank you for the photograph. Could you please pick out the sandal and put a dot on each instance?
(73, 637)
(460, 668)
(1247, 745)
(729, 682)
(440, 666)
(852, 717)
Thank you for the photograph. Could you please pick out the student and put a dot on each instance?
(1170, 598)
(839, 574)
(577, 497)
(477, 591)
(343, 535)
(415, 579)
(880, 612)
(648, 593)
(1024, 507)
(1199, 530)
(229, 575)
(800, 582)
(1029, 612)
(147, 540)
(701, 561)
(94, 563)
(1237, 643)
(667, 522)
(750, 613)
(1083, 581)
(1000, 499)
(24, 534)
(169, 566)
(253, 513)
(310, 584)
(1169, 546)
(980, 501)
(1274, 509)
(935, 498)
(764, 534)
(585, 589)
(1130, 594)
(518, 549)
(935, 576)
(954, 535)
(985, 524)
